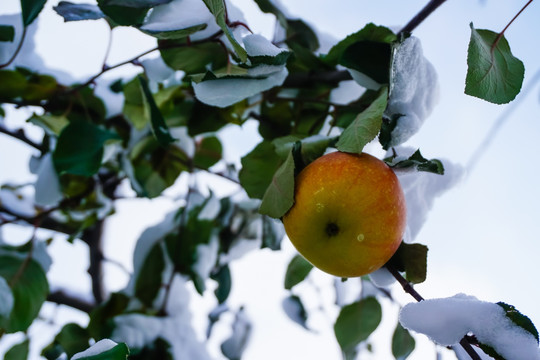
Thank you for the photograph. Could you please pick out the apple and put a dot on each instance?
(349, 214)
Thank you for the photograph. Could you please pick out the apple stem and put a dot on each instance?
(409, 289)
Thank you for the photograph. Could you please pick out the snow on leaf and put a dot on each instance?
(234, 346)
(413, 90)
(447, 320)
(104, 349)
(6, 298)
(493, 73)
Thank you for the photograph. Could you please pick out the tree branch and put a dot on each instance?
(408, 288)
(20, 135)
(61, 298)
(93, 238)
(421, 16)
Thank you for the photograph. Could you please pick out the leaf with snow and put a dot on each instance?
(76, 12)
(295, 310)
(413, 90)
(279, 197)
(217, 8)
(365, 127)
(104, 350)
(493, 73)
(446, 321)
(356, 322)
(47, 186)
(236, 344)
(233, 84)
(297, 270)
(272, 233)
(150, 277)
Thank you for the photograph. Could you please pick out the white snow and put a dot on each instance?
(6, 298)
(156, 69)
(422, 188)
(446, 321)
(180, 14)
(138, 330)
(413, 90)
(96, 349)
(225, 92)
(235, 345)
(47, 185)
(207, 256)
(258, 45)
(17, 202)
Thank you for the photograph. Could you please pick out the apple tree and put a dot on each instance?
(159, 133)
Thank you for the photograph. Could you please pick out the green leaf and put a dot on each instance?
(174, 34)
(295, 310)
(51, 123)
(133, 108)
(118, 352)
(519, 319)
(7, 33)
(31, 9)
(160, 350)
(279, 197)
(208, 152)
(356, 322)
(193, 59)
(493, 73)
(411, 259)
(13, 84)
(73, 339)
(419, 162)
(369, 58)
(297, 270)
(140, 4)
(155, 167)
(30, 288)
(267, 6)
(224, 280)
(149, 278)
(101, 318)
(300, 33)
(402, 343)
(18, 351)
(159, 128)
(365, 127)
(258, 168)
(217, 8)
(123, 15)
(76, 12)
(80, 148)
(370, 33)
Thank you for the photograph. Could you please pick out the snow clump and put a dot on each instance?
(446, 321)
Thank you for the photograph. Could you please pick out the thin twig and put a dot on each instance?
(61, 298)
(20, 135)
(499, 37)
(408, 288)
(421, 16)
(19, 47)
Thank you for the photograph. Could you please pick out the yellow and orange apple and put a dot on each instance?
(349, 214)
